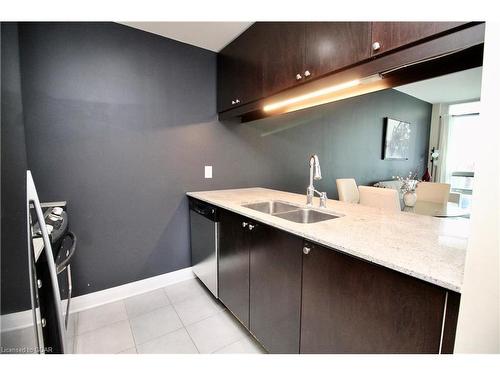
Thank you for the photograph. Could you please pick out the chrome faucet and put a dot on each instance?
(315, 174)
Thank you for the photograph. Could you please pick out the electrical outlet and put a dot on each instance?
(208, 171)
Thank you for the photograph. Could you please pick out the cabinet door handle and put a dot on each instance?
(237, 101)
(244, 224)
(306, 250)
(307, 73)
(251, 226)
(376, 46)
(298, 77)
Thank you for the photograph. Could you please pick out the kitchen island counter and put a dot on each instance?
(428, 248)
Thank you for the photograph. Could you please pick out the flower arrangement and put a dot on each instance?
(408, 183)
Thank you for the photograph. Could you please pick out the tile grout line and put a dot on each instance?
(211, 316)
(76, 337)
(104, 326)
(147, 312)
(133, 336)
(94, 329)
(169, 333)
(195, 346)
(129, 319)
(155, 338)
(205, 318)
(225, 346)
(184, 327)
(186, 299)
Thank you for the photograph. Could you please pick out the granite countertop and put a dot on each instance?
(425, 247)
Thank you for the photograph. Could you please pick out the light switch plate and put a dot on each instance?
(208, 171)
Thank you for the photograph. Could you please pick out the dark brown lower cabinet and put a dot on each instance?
(275, 288)
(352, 306)
(324, 301)
(234, 265)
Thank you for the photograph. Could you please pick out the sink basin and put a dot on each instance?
(291, 212)
(306, 216)
(272, 207)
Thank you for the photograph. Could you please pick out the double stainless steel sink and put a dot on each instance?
(291, 212)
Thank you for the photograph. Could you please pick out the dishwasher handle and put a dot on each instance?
(204, 212)
(203, 209)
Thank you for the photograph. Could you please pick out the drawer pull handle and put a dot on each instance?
(306, 250)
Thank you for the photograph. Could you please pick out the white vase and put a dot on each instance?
(410, 198)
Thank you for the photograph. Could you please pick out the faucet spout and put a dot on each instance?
(315, 170)
(314, 174)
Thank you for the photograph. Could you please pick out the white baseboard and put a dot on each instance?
(24, 319)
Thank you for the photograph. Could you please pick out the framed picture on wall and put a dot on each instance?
(396, 139)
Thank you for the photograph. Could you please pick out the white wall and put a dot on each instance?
(478, 328)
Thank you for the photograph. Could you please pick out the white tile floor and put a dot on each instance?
(181, 318)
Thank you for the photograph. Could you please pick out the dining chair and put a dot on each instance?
(433, 192)
(348, 190)
(454, 197)
(387, 199)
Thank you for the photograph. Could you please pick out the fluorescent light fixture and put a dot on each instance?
(319, 93)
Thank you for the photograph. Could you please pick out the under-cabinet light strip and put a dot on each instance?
(319, 93)
(311, 95)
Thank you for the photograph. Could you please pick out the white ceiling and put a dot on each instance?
(209, 35)
(455, 87)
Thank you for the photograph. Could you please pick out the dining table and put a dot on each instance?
(448, 209)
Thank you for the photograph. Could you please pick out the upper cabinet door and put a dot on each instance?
(239, 71)
(334, 45)
(283, 49)
(387, 36)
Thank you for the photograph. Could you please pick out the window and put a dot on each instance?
(460, 155)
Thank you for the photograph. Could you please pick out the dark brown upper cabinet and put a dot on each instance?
(295, 52)
(239, 70)
(387, 36)
(334, 45)
(273, 58)
(283, 51)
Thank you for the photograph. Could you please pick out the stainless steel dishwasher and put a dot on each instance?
(204, 224)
